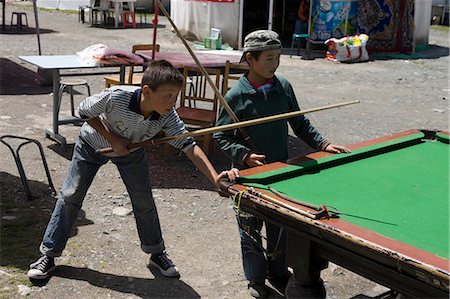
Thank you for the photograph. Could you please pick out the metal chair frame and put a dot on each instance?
(19, 163)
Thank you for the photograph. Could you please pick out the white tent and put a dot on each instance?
(62, 4)
(197, 17)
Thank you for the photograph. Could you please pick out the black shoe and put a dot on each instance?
(41, 268)
(257, 290)
(164, 264)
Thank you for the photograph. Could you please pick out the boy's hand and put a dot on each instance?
(337, 149)
(231, 174)
(120, 145)
(253, 160)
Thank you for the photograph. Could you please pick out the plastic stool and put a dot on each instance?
(298, 37)
(70, 83)
(19, 24)
(125, 15)
(19, 164)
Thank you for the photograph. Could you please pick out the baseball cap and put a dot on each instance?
(260, 40)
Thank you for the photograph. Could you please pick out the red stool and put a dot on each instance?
(125, 16)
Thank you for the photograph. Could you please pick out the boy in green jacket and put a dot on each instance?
(257, 94)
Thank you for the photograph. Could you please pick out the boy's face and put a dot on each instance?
(267, 63)
(163, 99)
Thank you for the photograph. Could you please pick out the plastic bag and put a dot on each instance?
(348, 49)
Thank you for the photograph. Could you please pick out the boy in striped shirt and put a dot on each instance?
(115, 118)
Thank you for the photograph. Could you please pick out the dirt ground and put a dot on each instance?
(103, 258)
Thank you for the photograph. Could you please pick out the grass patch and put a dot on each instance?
(20, 239)
(440, 28)
(42, 9)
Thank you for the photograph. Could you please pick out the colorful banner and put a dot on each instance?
(333, 18)
(389, 23)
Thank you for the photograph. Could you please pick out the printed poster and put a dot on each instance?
(333, 18)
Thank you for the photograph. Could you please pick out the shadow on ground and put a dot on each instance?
(159, 287)
(169, 169)
(64, 151)
(25, 30)
(23, 222)
(429, 52)
(138, 26)
(18, 80)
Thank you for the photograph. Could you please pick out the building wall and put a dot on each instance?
(422, 17)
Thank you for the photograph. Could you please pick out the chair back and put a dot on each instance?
(198, 102)
(134, 50)
(233, 71)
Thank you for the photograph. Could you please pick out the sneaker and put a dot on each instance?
(41, 268)
(257, 290)
(164, 264)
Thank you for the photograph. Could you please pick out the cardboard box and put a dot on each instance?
(212, 43)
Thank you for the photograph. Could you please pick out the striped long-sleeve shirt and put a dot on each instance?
(118, 108)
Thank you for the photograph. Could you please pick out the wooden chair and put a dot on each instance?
(198, 102)
(131, 78)
(233, 71)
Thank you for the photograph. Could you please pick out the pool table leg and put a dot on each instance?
(306, 282)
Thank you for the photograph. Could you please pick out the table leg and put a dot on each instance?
(306, 282)
(133, 15)
(53, 133)
(122, 74)
(3, 14)
(116, 14)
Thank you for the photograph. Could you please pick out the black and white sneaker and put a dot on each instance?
(41, 268)
(164, 264)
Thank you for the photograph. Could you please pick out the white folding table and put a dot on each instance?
(55, 63)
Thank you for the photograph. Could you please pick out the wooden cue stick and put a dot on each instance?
(232, 126)
(299, 202)
(202, 69)
(273, 200)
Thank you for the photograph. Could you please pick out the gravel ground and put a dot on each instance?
(103, 257)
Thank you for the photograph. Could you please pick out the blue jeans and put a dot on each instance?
(256, 265)
(134, 170)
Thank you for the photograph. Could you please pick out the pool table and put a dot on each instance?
(381, 211)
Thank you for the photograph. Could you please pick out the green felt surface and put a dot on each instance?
(402, 194)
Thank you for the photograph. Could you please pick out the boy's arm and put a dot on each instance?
(307, 132)
(118, 144)
(230, 142)
(303, 128)
(198, 157)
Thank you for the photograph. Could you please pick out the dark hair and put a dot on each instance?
(255, 54)
(161, 72)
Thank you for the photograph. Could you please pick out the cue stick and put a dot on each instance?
(302, 203)
(200, 66)
(227, 127)
(313, 215)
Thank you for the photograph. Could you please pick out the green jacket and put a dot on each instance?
(270, 139)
